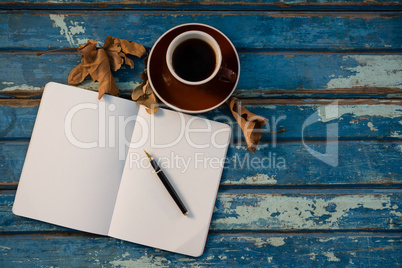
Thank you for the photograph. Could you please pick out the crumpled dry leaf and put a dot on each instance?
(78, 74)
(116, 61)
(143, 94)
(250, 123)
(98, 63)
(117, 49)
(128, 47)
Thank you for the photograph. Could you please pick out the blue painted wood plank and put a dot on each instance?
(12, 157)
(222, 250)
(369, 163)
(287, 164)
(249, 211)
(166, 3)
(311, 119)
(262, 75)
(355, 119)
(248, 30)
(307, 212)
(204, 5)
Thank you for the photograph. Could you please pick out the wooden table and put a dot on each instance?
(338, 63)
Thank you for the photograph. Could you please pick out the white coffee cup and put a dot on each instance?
(223, 73)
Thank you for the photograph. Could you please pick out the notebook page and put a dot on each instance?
(145, 213)
(71, 174)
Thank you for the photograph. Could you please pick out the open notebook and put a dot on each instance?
(86, 169)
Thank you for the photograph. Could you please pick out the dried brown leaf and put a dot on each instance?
(131, 48)
(116, 47)
(251, 124)
(107, 85)
(77, 75)
(127, 60)
(98, 63)
(138, 91)
(99, 68)
(114, 58)
(89, 49)
(144, 95)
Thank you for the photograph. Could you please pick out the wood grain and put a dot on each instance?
(297, 58)
(268, 31)
(222, 250)
(203, 5)
(355, 119)
(279, 211)
(262, 75)
(368, 164)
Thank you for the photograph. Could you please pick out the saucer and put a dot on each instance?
(186, 98)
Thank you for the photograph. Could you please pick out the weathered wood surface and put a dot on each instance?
(250, 211)
(262, 74)
(356, 119)
(248, 30)
(222, 250)
(297, 58)
(365, 164)
(204, 5)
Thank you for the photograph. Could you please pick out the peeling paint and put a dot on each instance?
(328, 113)
(7, 83)
(312, 256)
(371, 71)
(144, 261)
(240, 147)
(87, 84)
(20, 87)
(399, 148)
(125, 255)
(123, 86)
(371, 126)
(269, 259)
(331, 256)
(186, 259)
(396, 134)
(259, 179)
(260, 242)
(298, 212)
(276, 241)
(324, 240)
(68, 32)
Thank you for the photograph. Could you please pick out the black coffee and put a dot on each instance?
(194, 60)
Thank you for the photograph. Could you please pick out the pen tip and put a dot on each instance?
(185, 214)
(147, 154)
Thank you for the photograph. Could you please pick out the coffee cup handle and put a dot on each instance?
(226, 75)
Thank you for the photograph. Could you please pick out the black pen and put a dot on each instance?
(167, 184)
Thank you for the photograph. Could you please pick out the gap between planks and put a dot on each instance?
(265, 51)
(272, 233)
(348, 14)
(214, 5)
(336, 189)
(251, 102)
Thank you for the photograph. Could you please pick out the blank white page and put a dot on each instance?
(144, 212)
(72, 178)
